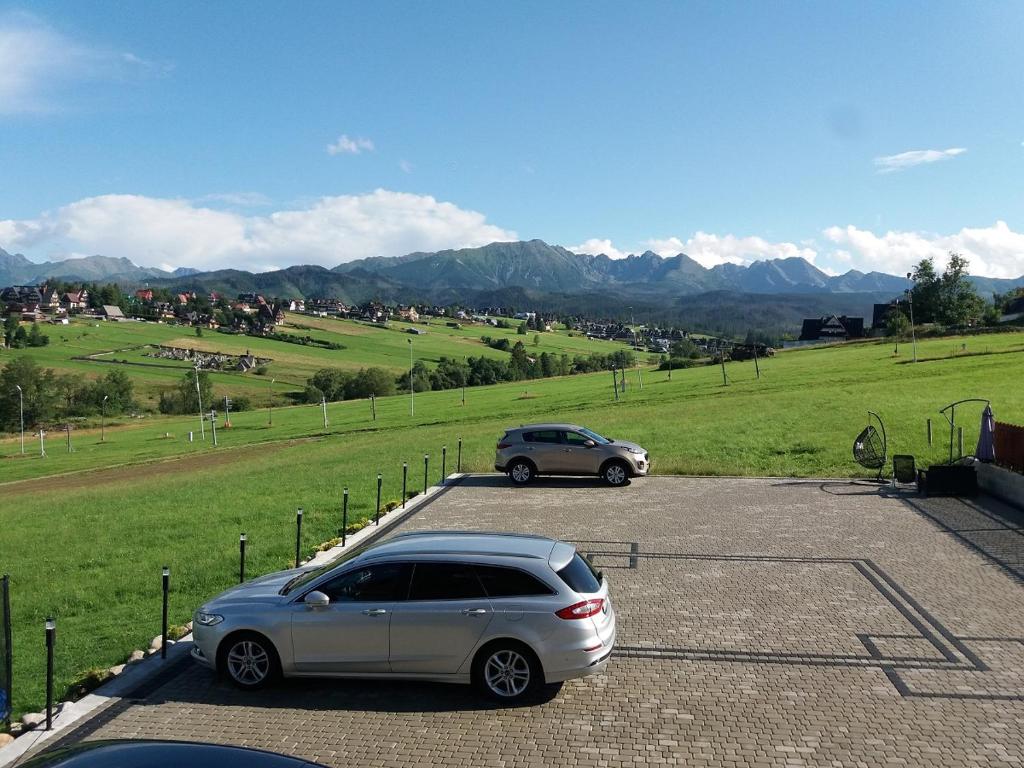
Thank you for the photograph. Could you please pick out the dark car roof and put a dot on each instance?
(157, 754)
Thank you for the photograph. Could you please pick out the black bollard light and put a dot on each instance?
(241, 557)
(444, 462)
(405, 479)
(344, 517)
(163, 625)
(51, 636)
(426, 462)
(376, 517)
(458, 465)
(298, 535)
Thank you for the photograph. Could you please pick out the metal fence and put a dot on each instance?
(5, 650)
(1009, 446)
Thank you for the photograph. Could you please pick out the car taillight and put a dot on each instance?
(503, 446)
(583, 610)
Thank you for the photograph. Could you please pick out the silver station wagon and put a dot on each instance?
(505, 612)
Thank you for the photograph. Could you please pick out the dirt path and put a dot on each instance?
(92, 478)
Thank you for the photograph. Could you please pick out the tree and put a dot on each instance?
(331, 383)
(370, 381)
(959, 303)
(536, 339)
(925, 293)
(896, 323)
(36, 338)
(20, 338)
(190, 399)
(10, 326)
(522, 330)
(38, 388)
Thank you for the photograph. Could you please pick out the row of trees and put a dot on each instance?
(16, 337)
(948, 299)
(49, 397)
(451, 373)
(194, 388)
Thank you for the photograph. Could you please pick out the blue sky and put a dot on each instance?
(860, 135)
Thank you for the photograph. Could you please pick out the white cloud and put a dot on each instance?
(349, 146)
(38, 65)
(904, 160)
(995, 251)
(329, 231)
(596, 246)
(406, 166)
(237, 199)
(709, 250)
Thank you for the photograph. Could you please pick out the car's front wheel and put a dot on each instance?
(249, 660)
(615, 473)
(507, 671)
(521, 472)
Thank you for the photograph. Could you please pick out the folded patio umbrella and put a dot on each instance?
(986, 450)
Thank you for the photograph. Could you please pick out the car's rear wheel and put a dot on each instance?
(249, 660)
(507, 671)
(521, 472)
(615, 473)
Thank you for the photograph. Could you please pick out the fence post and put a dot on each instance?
(298, 535)
(163, 625)
(756, 366)
(960, 441)
(444, 462)
(241, 557)
(426, 461)
(458, 466)
(725, 380)
(8, 659)
(929, 432)
(373, 407)
(344, 518)
(51, 632)
(376, 517)
(405, 481)
(615, 383)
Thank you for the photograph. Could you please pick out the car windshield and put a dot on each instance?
(300, 580)
(594, 436)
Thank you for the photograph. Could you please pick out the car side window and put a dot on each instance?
(543, 436)
(445, 581)
(575, 438)
(510, 582)
(373, 583)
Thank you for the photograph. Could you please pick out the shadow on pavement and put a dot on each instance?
(540, 483)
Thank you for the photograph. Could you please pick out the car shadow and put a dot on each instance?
(501, 481)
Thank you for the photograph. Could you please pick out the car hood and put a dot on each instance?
(265, 589)
(627, 445)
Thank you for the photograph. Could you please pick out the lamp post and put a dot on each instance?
(270, 403)
(913, 332)
(103, 419)
(412, 396)
(21, 406)
(199, 394)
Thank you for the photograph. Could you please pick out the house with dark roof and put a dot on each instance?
(832, 328)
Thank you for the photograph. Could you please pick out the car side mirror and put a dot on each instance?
(589, 443)
(316, 600)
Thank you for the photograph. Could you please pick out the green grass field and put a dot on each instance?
(365, 345)
(87, 545)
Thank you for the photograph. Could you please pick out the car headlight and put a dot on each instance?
(636, 451)
(208, 619)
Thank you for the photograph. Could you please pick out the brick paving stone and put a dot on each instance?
(762, 623)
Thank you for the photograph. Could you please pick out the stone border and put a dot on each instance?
(136, 675)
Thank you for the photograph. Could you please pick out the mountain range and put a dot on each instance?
(530, 274)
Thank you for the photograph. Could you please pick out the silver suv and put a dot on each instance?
(505, 612)
(567, 449)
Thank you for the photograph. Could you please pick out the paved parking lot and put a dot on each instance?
(762, 622)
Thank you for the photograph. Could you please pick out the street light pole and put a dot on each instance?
(270, 403)
(913, 332)
(103, 419)
(21, 406)
(412, 389)
(199, 394)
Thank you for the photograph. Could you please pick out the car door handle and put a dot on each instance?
(375, 611)
(474, 611)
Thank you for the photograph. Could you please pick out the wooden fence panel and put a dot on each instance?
(1009, 445)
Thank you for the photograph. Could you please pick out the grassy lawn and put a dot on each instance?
(87, 546)
(292, 364)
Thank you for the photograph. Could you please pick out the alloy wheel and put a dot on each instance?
(248, 662)
(507, 673)
(615, 474)
(521, 473)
